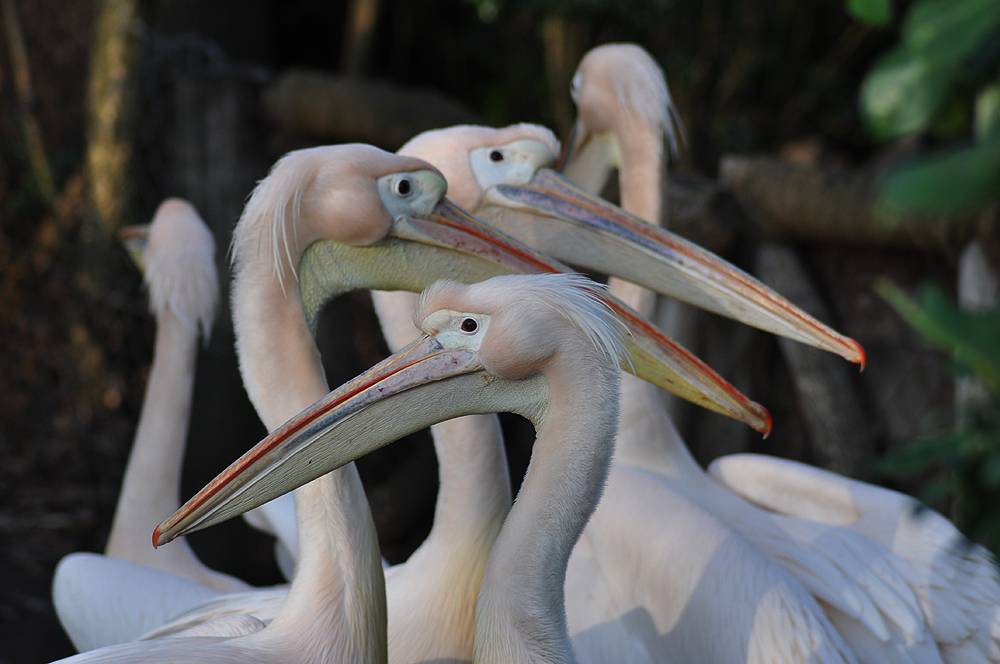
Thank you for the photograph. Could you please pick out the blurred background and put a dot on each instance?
(846, 154)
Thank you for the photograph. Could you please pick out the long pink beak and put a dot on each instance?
(579, 228)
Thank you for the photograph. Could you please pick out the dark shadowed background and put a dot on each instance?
(215, 92)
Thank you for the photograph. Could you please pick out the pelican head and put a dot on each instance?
(177, 242)
(505, 176)
(617, 88)
(502, 345)
(475, 159)
(346, 217)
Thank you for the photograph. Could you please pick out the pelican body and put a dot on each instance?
(899, 591)
(545, 347)
(176, 252)
(319, 212)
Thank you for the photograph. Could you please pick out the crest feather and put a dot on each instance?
(640, 88)
(180, 266)
(274, 208)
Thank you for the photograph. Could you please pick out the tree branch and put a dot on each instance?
(345, 108)
(827, 204)
(26, 104)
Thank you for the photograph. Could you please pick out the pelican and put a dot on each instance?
(176, 252)
(539, 346)
(344, 201)
(504, 176)
(471, 496)
(178, 260)
(825, 643)
(878, 602)
(646, 542)
(546, 347)
(931, 594)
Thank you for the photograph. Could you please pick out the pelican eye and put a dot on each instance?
(469, 325)
(403, 187)
(496, 156)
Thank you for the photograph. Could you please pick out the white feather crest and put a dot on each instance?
(273, 209)
(643, 90)
(180, 266)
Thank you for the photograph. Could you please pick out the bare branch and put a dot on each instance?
(344, 108)
(26, 103)
(828, 204)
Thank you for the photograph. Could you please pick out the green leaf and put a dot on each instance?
(936, 491)
(949, 30)
(952, 182)
(872, 12)
(986, 120)
(972, 339)
(903, 92)
(953, 120)
(989, 473)
(909, 86)
(919, 455)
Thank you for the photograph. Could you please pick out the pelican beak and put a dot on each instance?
(426, 381)
(134, 239)
(450, 227)
(654, 356)
(571, 225)
(570, 147)
(449, 243)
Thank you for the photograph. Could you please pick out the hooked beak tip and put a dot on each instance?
(158, 538)
(766, 430)
(862, 356)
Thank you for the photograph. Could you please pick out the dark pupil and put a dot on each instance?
(403, 187)
(469, 325)
(496, 155)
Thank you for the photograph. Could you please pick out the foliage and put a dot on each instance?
(971, 456)
(970, 451)
(873, 12)
(943, 80)
(972, 339)
(957, 180)
(945, 69)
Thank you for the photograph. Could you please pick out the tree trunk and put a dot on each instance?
(26, 103)
(362, 15)
(110, 111)
(564, 44)
(839, 435)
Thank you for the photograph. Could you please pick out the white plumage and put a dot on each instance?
(95, 595)
(896, 584)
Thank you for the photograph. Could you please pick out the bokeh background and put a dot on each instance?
(109, 106)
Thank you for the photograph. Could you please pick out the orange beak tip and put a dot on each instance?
(766, 429)
(157, 538)
(862, 357)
